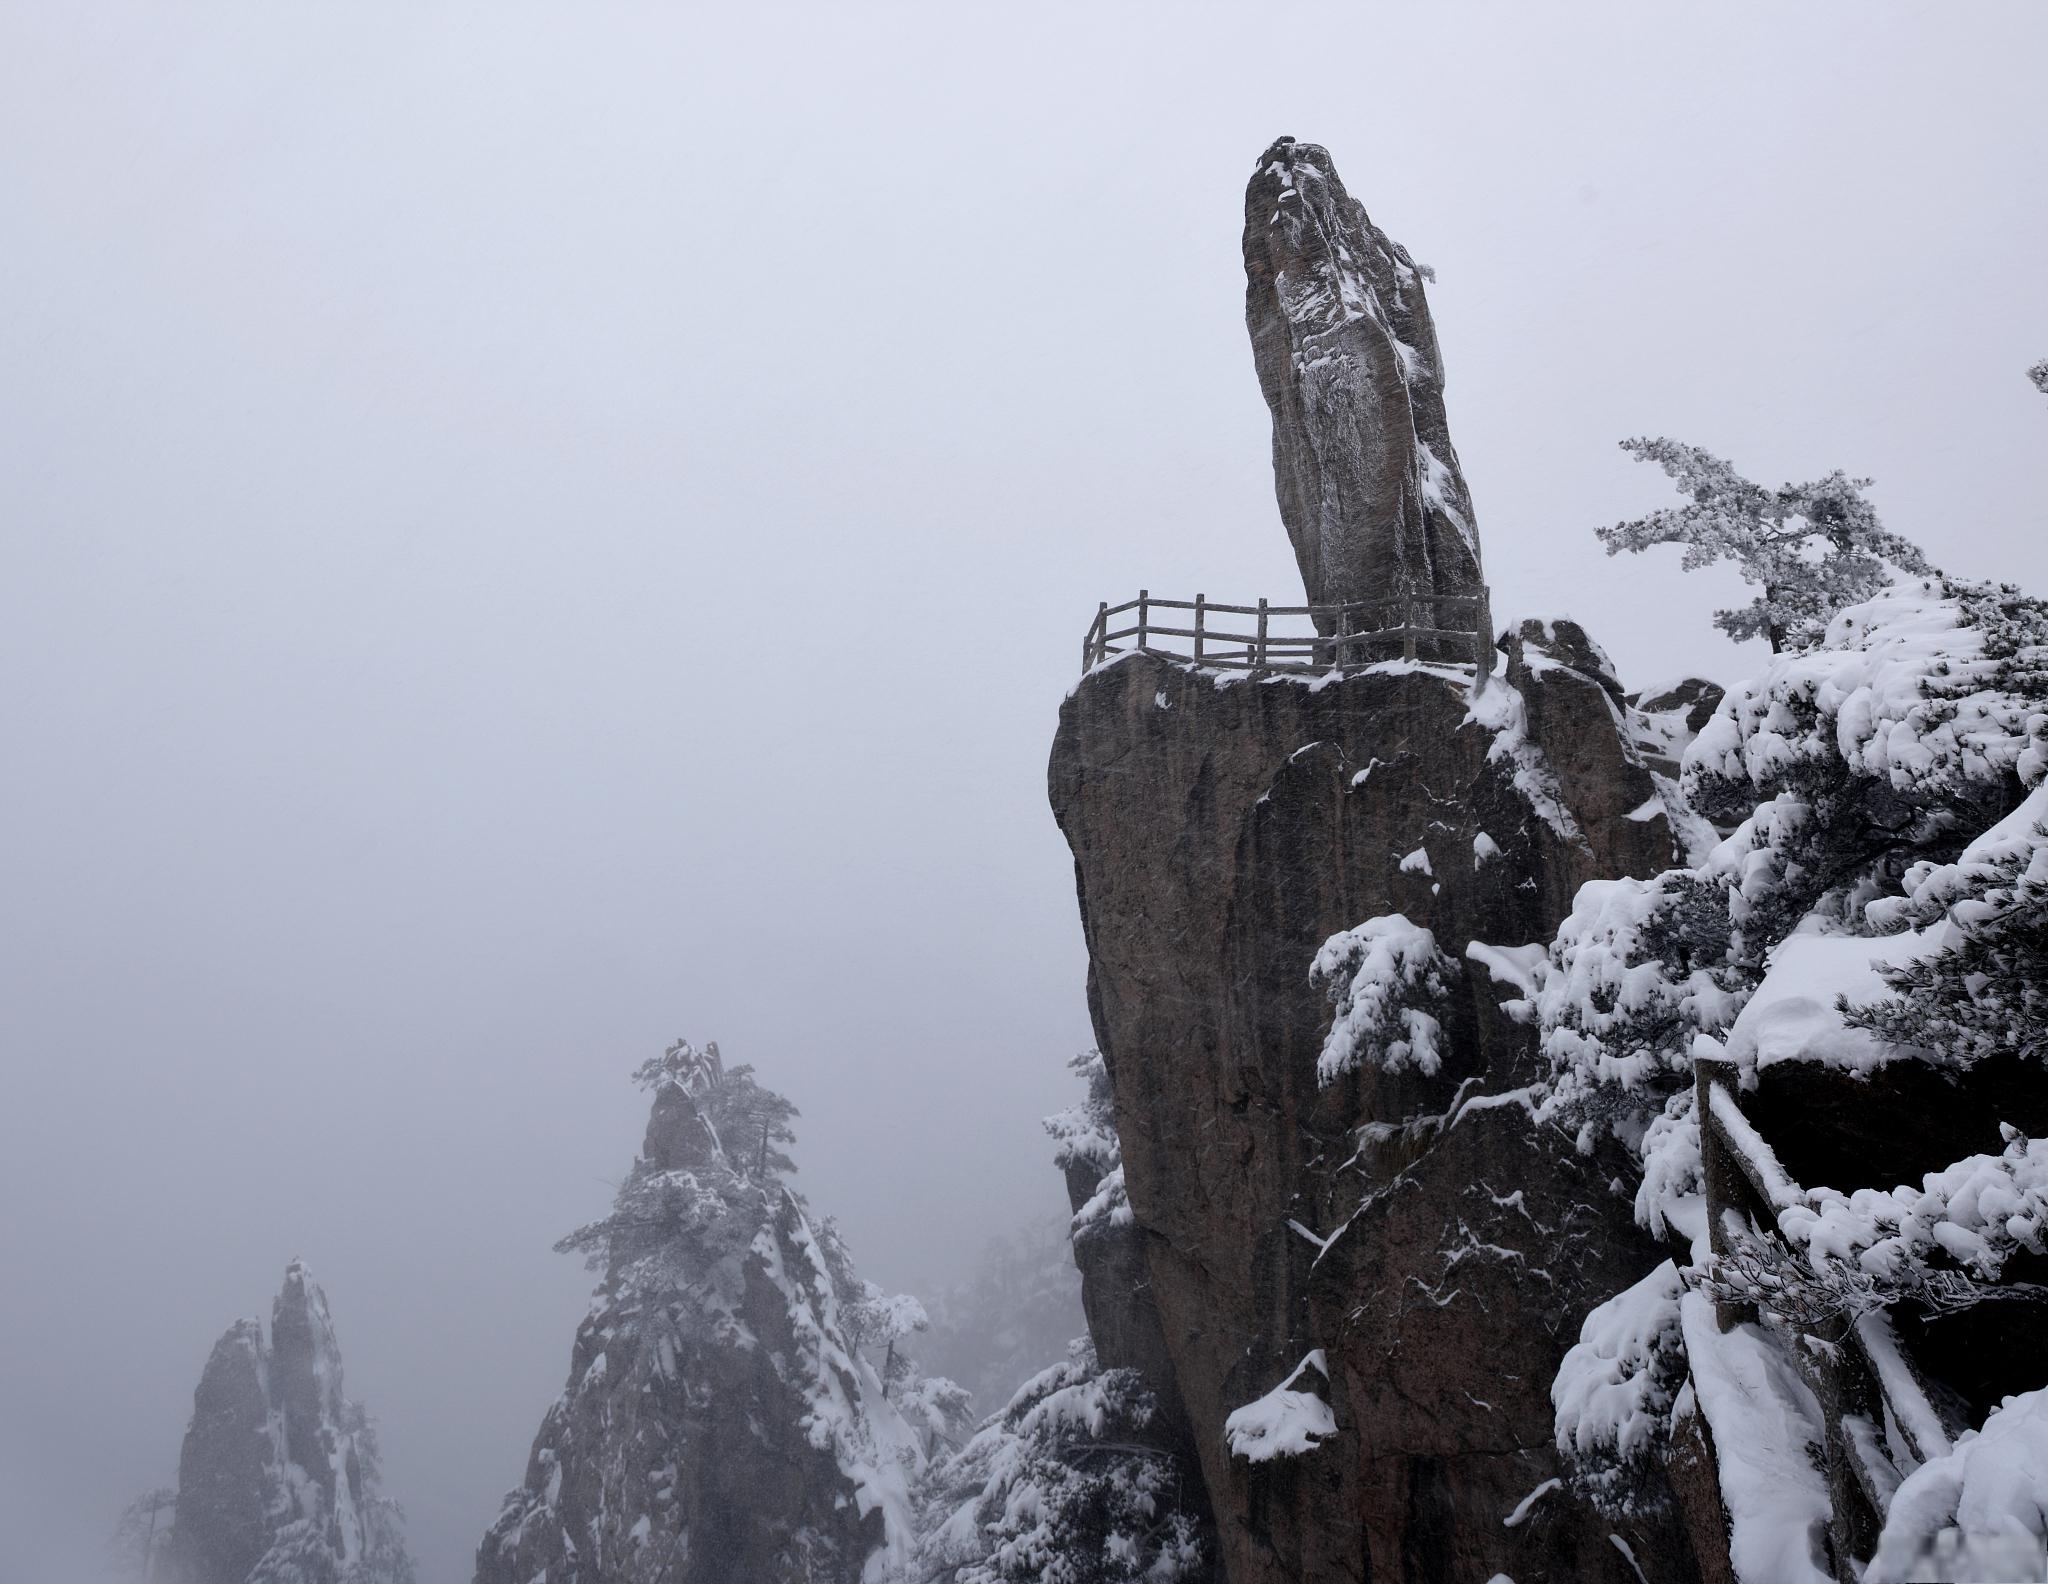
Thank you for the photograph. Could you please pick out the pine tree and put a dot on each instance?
(142, 1533)
(1815, 548)
(1060, 1485)
(720, 1419)
(1891, 778)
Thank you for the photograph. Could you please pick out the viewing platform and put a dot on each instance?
(1409, 625)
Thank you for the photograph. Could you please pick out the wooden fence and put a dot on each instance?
(1294, 637)
(1878, 1420)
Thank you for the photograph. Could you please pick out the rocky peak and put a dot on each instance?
(278, 1477)
(1343, 1258)
(1368, 483)
(305, 1376)
(720, 1420)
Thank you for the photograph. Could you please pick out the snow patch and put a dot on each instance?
(1774, 1492)
(1284, 1422)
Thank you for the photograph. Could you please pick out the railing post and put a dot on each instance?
(1408, 649)
(1719, 1175)
(1259, 661)
(1100, 633)
(1483, 659)
(1144, 612)
(1201, 608)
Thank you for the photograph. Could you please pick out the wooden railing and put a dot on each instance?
(1296, 637)
(1878, 1420)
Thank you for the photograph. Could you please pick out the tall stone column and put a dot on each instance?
(1347, 357)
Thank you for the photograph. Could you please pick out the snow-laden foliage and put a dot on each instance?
(1846, 771)
(1075, 1481)
(686, 1207)
(2039, 375)
(1924, 692)
(1059, 1489)
(1879, 898)
(1637, 972)
(1986, 991)
(1815, 548)
(1288, 1421)
(1383, 977)
(1088, 1152)
(1935, 1242)
(1979, 1512)
(878, 1318)
(1614, 1392)
(739, 1403)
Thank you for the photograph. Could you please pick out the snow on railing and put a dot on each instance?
(1295, 638)
(1880, 1422)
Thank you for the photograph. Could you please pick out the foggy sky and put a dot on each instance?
(527, 531)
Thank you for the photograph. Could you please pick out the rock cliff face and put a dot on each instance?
(1347, 356)
(1408, 1223)
(277, 1480)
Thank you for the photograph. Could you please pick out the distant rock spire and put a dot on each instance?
(1369, 485)
(278, 1479)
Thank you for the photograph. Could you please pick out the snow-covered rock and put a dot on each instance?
(1979, 1512)
(278, 1480)
(719, 1421)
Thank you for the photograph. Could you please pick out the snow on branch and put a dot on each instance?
(1814, 548)
(1382, 977)
(1285, 1422)
(1614, 1392)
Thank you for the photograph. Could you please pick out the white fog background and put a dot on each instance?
(529, 530)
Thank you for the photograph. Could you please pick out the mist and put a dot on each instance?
(526, 533)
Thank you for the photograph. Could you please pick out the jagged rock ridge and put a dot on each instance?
(1368, 482)
(278, 1477)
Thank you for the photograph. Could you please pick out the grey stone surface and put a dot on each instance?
(1220, 834)
(278, 1476)
(1368, 482)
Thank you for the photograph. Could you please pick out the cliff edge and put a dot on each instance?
(1363, 1273)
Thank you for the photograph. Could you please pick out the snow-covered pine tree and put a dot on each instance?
(719, 1422)
(2039, 375)
(1072, 1482)
(1877, 910)
(1815, 548)
(141, 1534)
(1062, 1485)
